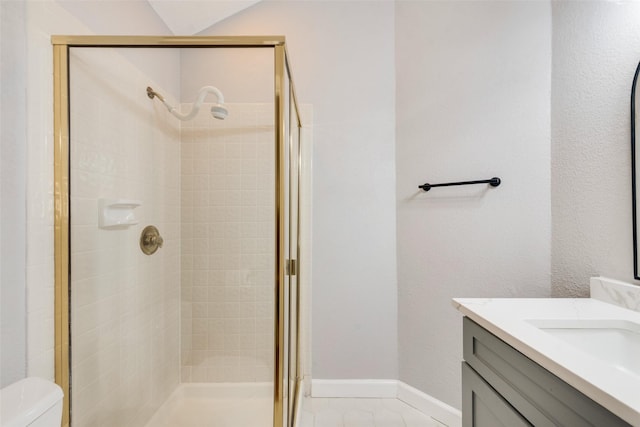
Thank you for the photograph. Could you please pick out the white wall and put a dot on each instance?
(343, 64)
(242, 74)
(596, 48)
(473, 88)
(13, 307)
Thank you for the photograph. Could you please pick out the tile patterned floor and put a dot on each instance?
(319, 412)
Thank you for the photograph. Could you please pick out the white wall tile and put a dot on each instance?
(219, 247)
(125, 305)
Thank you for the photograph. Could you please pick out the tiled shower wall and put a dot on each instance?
(125, 305)
(228, 245)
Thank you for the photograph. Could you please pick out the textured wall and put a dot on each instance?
(596, 48)
(473, 87)
(228, 245)
(125, 304)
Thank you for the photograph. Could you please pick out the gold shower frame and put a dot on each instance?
(61, 45)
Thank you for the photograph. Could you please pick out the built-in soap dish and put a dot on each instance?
(115, 214)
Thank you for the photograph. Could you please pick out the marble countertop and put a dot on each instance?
(510, 320)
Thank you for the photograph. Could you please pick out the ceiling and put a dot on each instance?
(188, 17)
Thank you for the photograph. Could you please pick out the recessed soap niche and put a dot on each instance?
(117, 214)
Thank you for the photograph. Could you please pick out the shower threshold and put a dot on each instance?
(217, 405)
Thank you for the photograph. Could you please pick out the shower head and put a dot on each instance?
(219, 111)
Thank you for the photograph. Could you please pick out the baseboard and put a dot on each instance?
(389, 389)
(428, 405)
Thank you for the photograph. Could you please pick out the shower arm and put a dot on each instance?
(196, 105)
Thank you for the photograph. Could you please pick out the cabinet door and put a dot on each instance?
(482, 406)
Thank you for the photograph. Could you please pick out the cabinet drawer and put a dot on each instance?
(541, 397)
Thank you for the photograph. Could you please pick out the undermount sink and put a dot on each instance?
(616, 342)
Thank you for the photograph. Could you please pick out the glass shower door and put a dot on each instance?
(210, 316)
(294, 257)
(197, 314)
(289, 298)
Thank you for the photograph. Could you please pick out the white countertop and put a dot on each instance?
(507, 318)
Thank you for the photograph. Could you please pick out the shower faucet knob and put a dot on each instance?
(150, 240)
(154, 240)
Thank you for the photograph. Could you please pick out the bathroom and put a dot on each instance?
(402, 93)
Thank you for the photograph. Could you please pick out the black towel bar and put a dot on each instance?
(494, 182)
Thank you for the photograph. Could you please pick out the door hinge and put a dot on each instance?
(292, 267)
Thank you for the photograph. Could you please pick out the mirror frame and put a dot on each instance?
(634, 163)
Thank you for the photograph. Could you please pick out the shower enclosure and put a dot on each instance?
(176, 231)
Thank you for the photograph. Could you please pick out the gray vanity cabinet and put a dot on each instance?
(502, 387)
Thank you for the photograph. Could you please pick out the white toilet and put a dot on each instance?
(32, 402)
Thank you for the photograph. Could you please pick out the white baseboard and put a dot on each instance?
(389, 389)
(428, 405)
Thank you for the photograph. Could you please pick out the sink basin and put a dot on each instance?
(616, 342)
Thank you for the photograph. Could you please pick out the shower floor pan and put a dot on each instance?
(217, 405)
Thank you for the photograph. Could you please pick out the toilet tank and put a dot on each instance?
(32, 402)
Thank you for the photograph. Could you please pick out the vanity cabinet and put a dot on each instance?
(502, 387)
